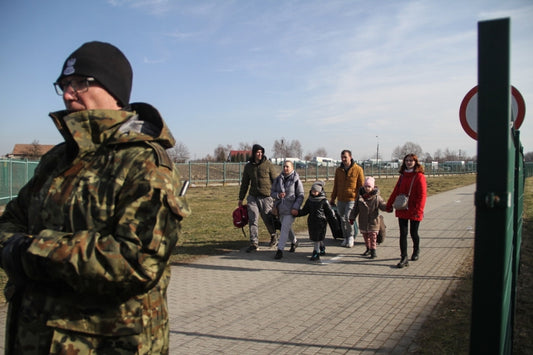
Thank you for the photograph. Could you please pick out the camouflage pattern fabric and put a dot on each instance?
(103, 213)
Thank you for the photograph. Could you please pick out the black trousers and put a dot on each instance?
(404, 224)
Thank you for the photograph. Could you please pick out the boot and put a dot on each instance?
(252, 247)
(416, 254)
(279, 255)
(293, 247)
(273, 240)
(322, 250)
(315, 256)
(403, 263)
(367, 252)
(373, 254)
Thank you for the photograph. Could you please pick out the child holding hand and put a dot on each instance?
(320, 213)
(367, 207)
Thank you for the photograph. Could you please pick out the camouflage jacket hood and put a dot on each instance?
(91, 128)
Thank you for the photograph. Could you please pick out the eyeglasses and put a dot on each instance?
(78, 85)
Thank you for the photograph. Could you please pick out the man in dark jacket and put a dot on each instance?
(258, 175)
(86, 242)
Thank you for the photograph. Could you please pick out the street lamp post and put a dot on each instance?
(377, 152)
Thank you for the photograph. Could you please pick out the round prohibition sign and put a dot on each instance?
(468, 110)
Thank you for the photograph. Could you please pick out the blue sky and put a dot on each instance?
(331, 74)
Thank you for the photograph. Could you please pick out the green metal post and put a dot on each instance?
(491, 327)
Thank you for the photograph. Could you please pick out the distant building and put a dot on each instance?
(30, 151)
(239, 155)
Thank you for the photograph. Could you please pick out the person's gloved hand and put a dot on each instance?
(351, 221)
(11, 258)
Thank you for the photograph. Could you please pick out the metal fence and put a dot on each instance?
(202, 173)
(15, 173)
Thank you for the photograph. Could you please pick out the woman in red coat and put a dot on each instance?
(412, 182)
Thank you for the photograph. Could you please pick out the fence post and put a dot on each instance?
(491, 327)
(10, 174)
(207, 174)
(224, 173)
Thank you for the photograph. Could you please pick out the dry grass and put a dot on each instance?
(447, 329)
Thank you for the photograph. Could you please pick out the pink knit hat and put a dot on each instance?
(370, 181)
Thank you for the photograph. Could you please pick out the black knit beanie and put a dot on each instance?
(104, 62)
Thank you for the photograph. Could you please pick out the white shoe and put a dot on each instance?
(344, 242)
(350, 243)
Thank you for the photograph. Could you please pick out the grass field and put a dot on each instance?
(209, 230)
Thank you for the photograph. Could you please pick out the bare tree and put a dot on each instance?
(179, 153)
(245, 146)
(407, 148)
(321, 152)
(296, 149)
(438, 155)
(221, 153)
(279, 149)
(528, 156)
(34, 151)
(450, 154)
(286, 149)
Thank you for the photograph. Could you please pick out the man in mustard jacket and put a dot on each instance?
(349, 177)
(86, 242)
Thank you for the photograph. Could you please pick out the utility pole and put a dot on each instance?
(377, 149)
(377, 152)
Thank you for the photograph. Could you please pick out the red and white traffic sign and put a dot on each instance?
(468, 111)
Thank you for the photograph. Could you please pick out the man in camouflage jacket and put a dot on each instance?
(86, 242)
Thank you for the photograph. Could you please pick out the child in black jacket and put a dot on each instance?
(320, 213)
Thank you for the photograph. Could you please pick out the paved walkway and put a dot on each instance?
(252, 304)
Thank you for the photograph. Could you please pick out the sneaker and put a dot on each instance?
(344, 242)
(350, 242)
(322, 250)
(273, 240)
(315, 256)
(252, 247)
(293, 247)
(279, 255)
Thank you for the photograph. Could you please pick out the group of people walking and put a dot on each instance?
(272, 196)
(86, 242)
